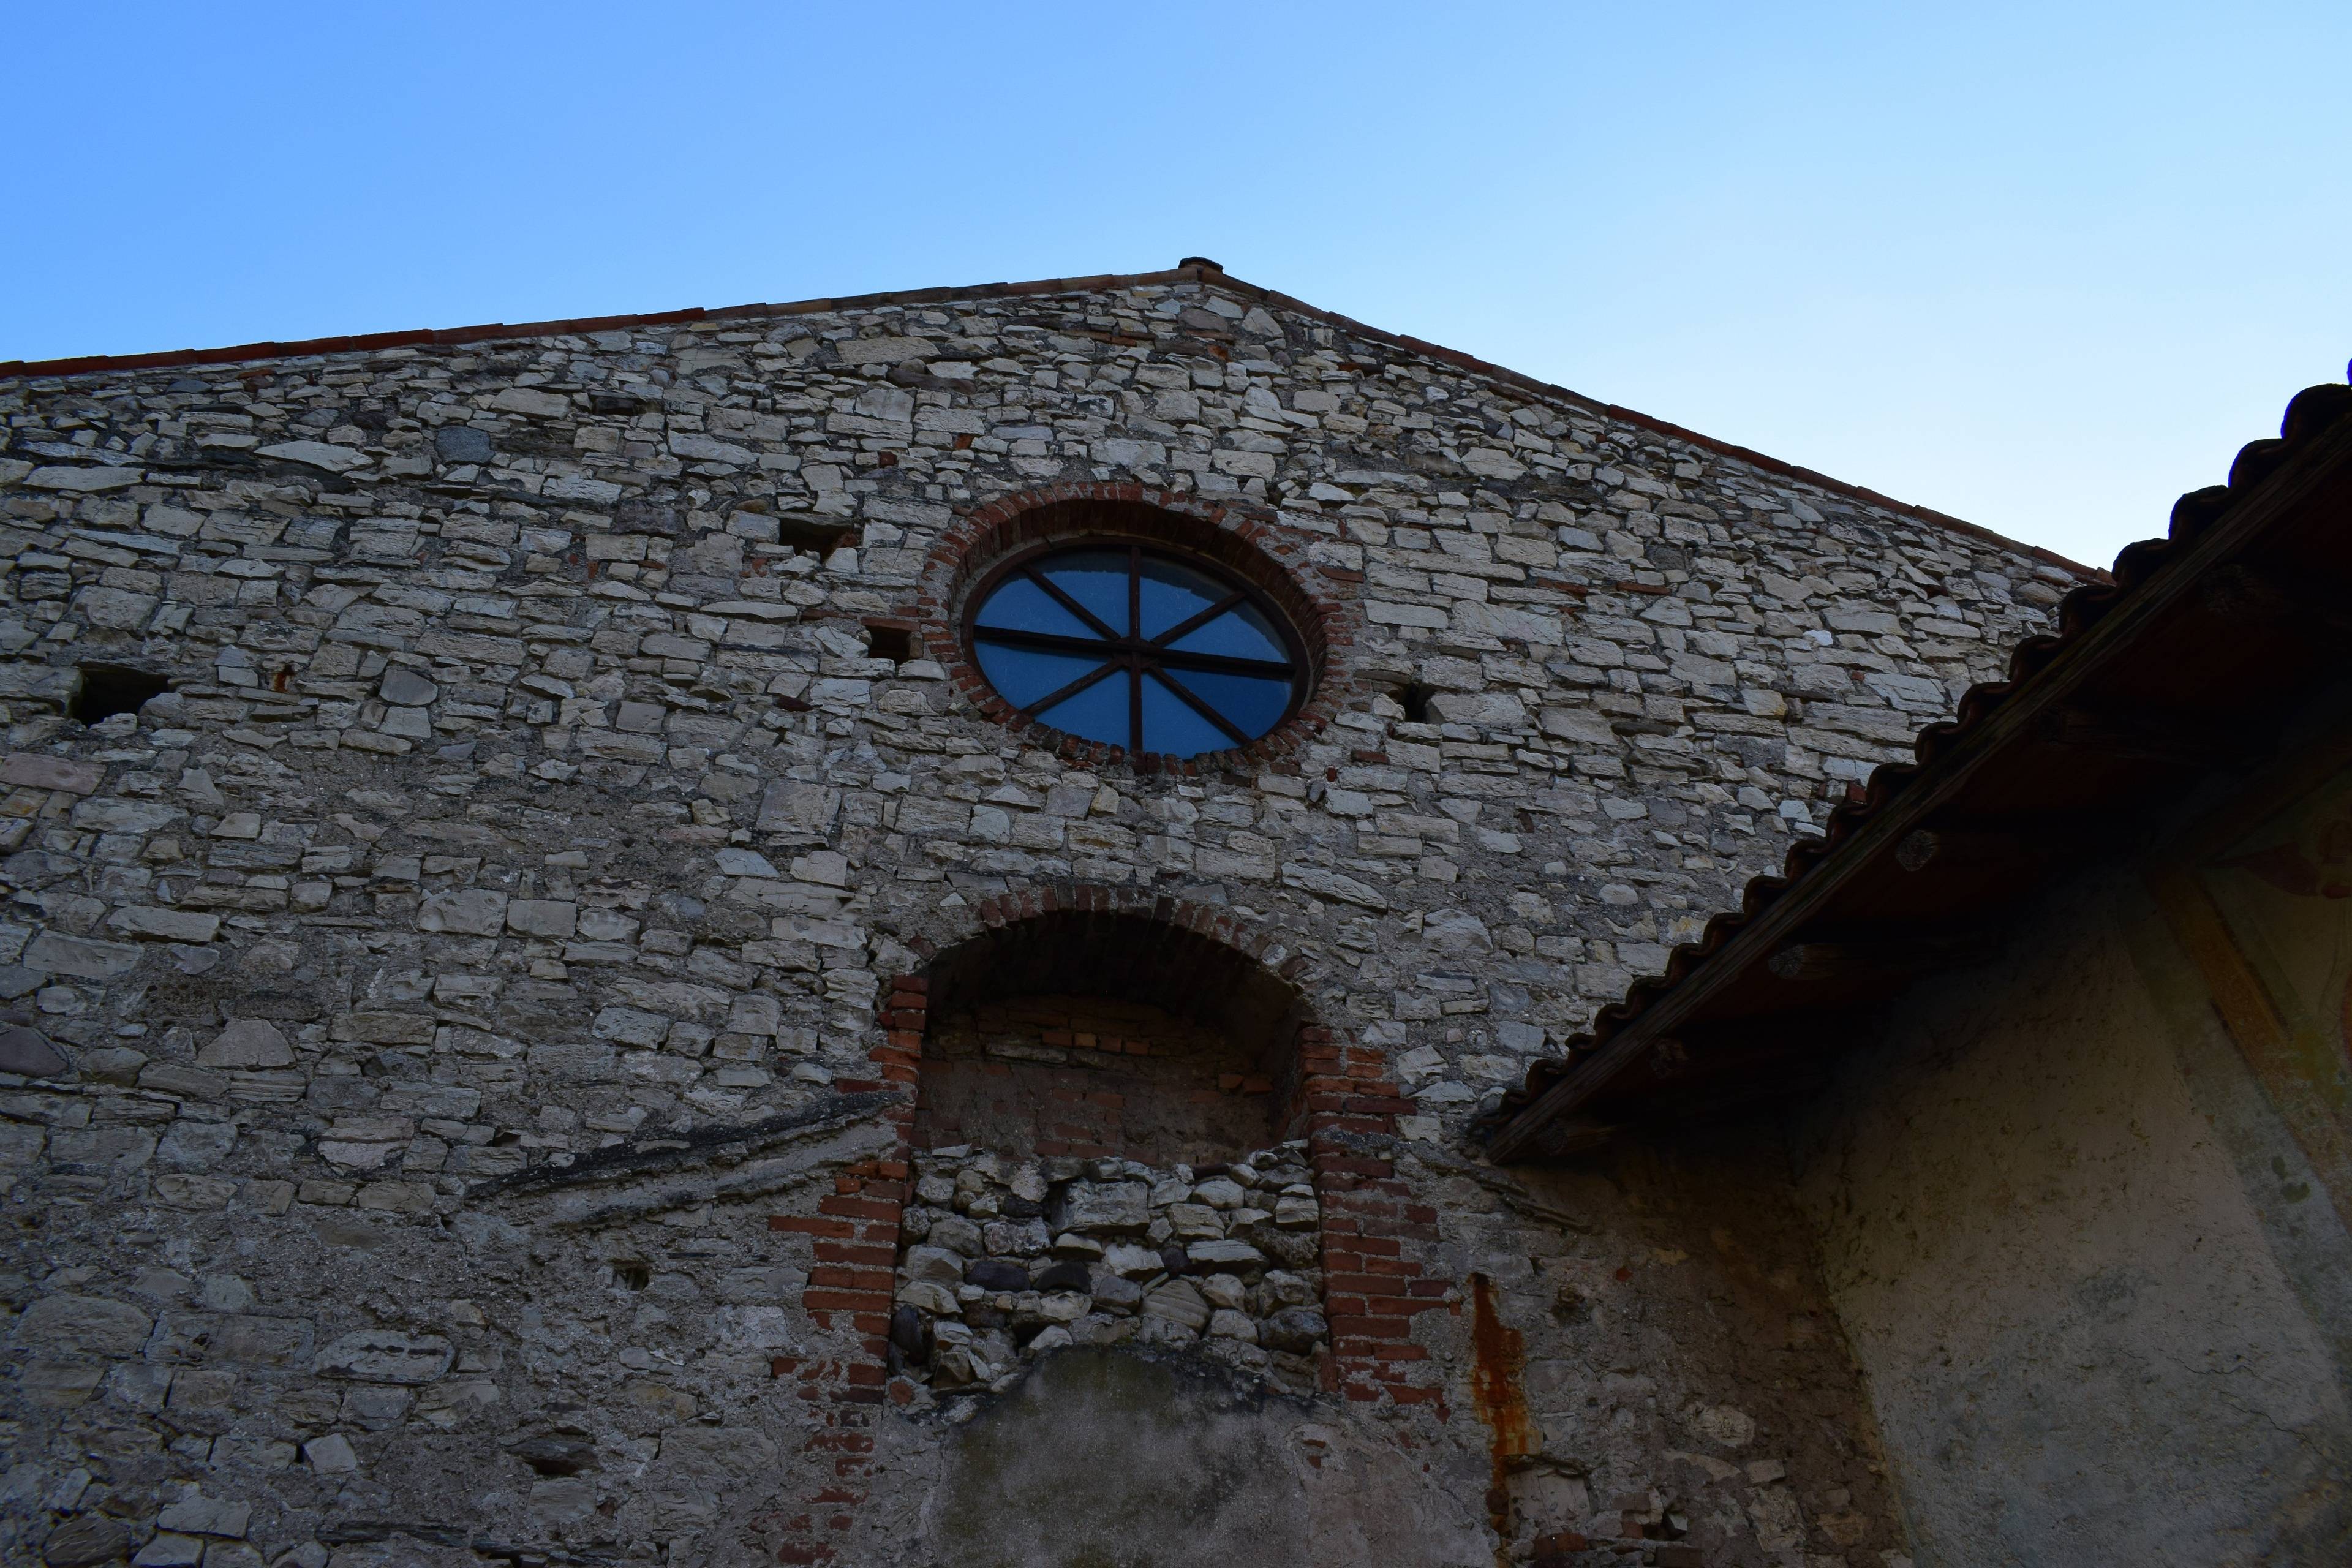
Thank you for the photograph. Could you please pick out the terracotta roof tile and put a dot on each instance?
(2313, 414)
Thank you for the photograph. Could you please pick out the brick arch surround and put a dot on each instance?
(1089, 1034)
(1245, 541)
(1376, 1241)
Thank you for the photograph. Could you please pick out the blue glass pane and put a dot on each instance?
(1095, 578)
(1173, 594)
(1171, 725)
(1240, 633)
(1098, 713)
(1022, 675)
(1251, 704)
(1019, 605)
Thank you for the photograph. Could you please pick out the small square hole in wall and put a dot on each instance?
(1413, 698)
(813, 537)
(107, 690)
(896, 644)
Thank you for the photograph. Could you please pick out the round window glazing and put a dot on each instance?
(1120, 643)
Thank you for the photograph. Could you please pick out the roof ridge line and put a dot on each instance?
(1732, 449)
(302, 348)
(1187, 272)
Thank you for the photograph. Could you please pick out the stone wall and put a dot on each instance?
(1006, 1263)
(463, 1034)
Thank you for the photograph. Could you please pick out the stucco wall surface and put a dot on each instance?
(2087, 1335)
(463, 1053)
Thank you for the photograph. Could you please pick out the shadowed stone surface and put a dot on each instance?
(1105, 1459)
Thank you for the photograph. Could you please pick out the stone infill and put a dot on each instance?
(1004, 1261)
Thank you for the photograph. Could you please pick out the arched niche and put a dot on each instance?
(1108, 1034)
(1109, 1149)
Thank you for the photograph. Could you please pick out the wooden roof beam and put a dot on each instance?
(1893, 961)
(2167, 739)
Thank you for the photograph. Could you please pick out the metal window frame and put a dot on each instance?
(1136, 657)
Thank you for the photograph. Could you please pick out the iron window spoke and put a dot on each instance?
(1186, 628)
(1070, 604)
(1072, 689)
(1223, 664)
(1134, 630)
(1175, 659)
(1202, 709)
(1135, 593)
(1052, 642)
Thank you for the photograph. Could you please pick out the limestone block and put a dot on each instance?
(1220, 1193)
(335, 459)
(464, 912)
(543, 917)
(84, 1542)
(91, 1325)
(164, 925)
(1103, 1208)
(631, 1026)
(1196, 1222)
(30, 1052)
(1227, 1323)
(1130, 1261)
(80, 481)
(1225, 1254)
(380, 1355)
(190, 1144)
(247, 1043)
(102, 1149)
(936, 1263)
(532, 401)
(1295, 1329)
(330, 1455)
(53, 952)
(197, 1514)
(792, 807)
(29, 770)
(1176, 1302)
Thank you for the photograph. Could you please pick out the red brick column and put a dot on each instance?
(1375, 1237)
(855, 1238)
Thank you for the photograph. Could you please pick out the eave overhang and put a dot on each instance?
(2201, 645)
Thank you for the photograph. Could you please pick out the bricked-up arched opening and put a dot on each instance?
(1107, 1035)
(1115, 1099)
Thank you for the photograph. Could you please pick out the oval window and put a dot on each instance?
(1134, 647)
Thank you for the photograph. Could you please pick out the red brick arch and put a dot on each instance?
(1247, 541)
(1376, 1237)
(1091, 939)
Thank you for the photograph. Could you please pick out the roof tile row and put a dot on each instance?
(2313, 412)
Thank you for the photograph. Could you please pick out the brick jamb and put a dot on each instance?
(1376, 1241)
(852, 1275)
(1374, 1238)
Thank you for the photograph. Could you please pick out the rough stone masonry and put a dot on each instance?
(465, 1025)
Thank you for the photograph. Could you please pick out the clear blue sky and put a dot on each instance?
(2040, 266)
